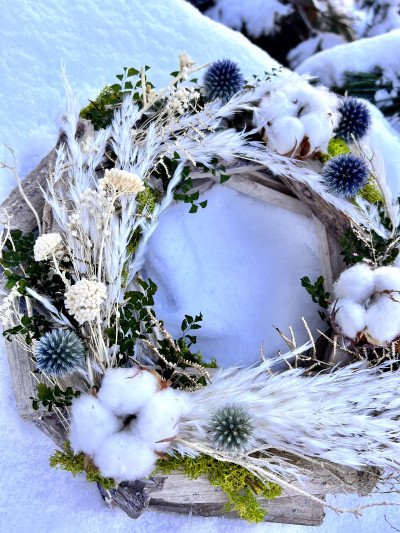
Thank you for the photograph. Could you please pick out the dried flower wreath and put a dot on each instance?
(128, 393)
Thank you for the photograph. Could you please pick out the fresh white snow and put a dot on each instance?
(95, 40)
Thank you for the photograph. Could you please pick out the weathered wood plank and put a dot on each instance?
(246, 185)
(15, 205)
(333, 219)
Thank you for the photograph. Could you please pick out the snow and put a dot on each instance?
(95, 40)
(261, 19)
(232, 284)
(360, 56)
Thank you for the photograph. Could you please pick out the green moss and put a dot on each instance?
(241, 487)
(76, 465)
(100, 111)
(371, 193)
(335, 147)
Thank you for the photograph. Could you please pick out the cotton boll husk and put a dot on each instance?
(356, 283)
(318, 129)
(91, 424)
(387, 279)
(124, 456)
(159, 418)
(125, 390)
(350, 317)
(383, 321)
(285, 135)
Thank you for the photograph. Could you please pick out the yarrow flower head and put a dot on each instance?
(59, 352)
(121, 182)
(46, 245)
(355, 119)
(231, 429)
(222, 80)
(84, 299)
(345, 175)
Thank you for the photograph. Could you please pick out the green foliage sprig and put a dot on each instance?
(101, 111)
(373, 248)
(136, 322)
(241, 487)
(76, 464)
(49, 397)
(21, 268)
(31, 327)
(317, 292)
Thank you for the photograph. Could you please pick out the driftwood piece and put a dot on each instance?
(176, 493)
(15, 205)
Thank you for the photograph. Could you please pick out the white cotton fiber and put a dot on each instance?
(318, 128)
(159, 418)
(124, 456)
(383, 321)
(387, 278)
(91, 424)
(125, 390)
(350, 317)
(357, 283)
(284, 135)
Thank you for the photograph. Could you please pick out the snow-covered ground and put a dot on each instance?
(95, 40)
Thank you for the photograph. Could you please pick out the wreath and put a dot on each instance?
(130, 397)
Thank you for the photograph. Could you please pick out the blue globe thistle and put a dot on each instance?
(354, 121)
(231, 429)
(345, 175)
(59, 352)
(222, 80)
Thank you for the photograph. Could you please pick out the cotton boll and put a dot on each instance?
(318, 129)
(276, 105)
(387, 279)
(124, 456)
(91, 424)
(356, 283)
(125, 390)
(350, 317)
(383, 321)
(159, 418)
(285, 135)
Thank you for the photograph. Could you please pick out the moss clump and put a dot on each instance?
(76, 465)
(335, 147)
(241, 487)
(100, 111)
(371, 193)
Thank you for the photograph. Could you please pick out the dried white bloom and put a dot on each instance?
(121, 181)
(296, 119)
(84, 299)
(46, 245)
(185, 62)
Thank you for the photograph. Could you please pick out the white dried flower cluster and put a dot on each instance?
(121, 182)
(83, 299)
(297, 120)
(46, 245)
(179, 99)
(185, 62)
(120, 450)
(368, 303)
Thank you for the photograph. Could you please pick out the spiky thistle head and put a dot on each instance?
(345, 175)
(231, 428)
(355, 119)
(59, 352)
(222, 80)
